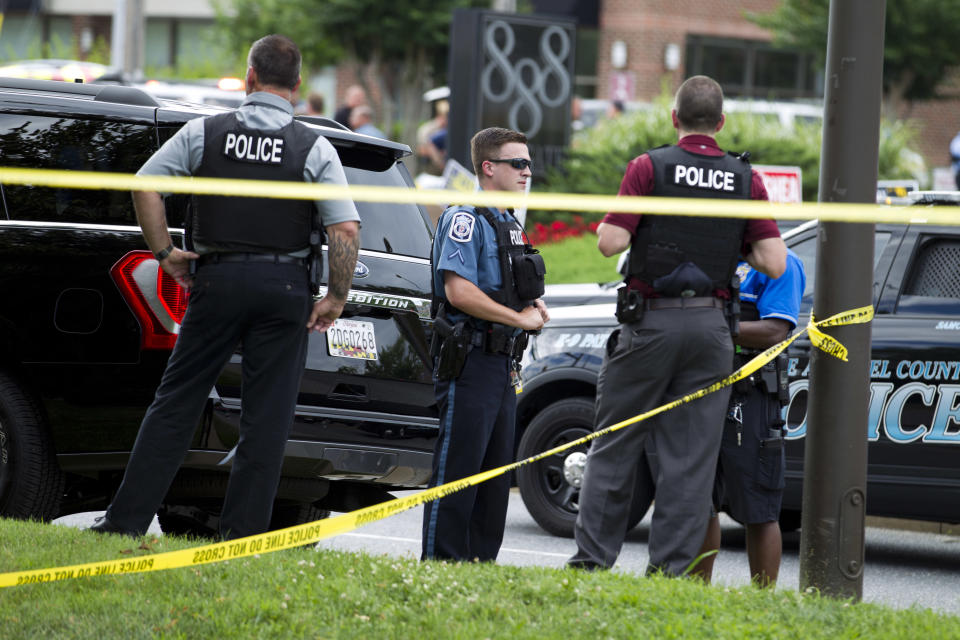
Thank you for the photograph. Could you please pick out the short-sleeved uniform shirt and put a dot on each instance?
(775, 297)
(466, 245)
(181, 155)
(639, 181)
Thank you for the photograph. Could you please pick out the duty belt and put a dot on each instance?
(493, 342)
(276, 258)
(654, 304)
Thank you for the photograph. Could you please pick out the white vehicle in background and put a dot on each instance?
(227, 92)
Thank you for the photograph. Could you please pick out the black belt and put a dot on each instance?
(491, 344)
(276, 258)
(653, 304)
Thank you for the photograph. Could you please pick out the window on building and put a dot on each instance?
(754, 68)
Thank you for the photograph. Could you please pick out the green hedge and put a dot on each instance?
(598, 156)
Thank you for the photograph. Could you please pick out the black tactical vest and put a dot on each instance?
(260, 225)
(522, 269)
(677, 254)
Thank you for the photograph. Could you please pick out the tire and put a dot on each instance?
(195, 500)
(202, 520)
(291, 514)
(552, 502)
(31, 483)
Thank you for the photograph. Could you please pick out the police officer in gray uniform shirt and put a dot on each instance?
(251, 287)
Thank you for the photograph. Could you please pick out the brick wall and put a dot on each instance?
(647, 26)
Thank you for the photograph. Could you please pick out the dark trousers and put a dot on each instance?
(750, 473)
(264, 307)
(665, 355)
(477, 412)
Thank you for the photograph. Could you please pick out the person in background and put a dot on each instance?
(361, 121)
(432, 158)
(315, 104)
(750, 472)
(353, 97)
(615, 109)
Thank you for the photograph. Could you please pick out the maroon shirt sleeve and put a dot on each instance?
(758, 229)
(637, 181)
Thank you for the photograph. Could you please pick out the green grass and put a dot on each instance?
(308, 594)
(578, 260)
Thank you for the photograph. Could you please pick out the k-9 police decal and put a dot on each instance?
(910, 400)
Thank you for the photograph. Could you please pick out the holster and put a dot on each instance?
(732, 309)
(629, 305)
(453, 349)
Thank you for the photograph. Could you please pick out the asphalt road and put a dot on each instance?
(903, 568)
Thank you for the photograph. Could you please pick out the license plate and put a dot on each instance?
(352, 339)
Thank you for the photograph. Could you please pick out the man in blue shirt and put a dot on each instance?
(750, 472)
(487, 297)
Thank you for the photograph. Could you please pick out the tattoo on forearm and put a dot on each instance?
(342, 258)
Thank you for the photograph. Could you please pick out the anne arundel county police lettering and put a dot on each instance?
(252, 147)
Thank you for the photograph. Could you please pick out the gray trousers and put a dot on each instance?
(665, 355)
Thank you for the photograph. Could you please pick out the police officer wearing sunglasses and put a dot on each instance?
(674, 337)
(487, 285)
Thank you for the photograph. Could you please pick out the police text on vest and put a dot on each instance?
(253, 148)
(703, 178)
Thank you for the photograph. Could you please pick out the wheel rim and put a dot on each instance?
(559, 493)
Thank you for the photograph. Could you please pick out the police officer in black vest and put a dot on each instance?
(487, 285)
(674, 337)
(251, 287)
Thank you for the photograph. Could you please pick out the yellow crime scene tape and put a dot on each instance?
(835, 212)
(312, 532)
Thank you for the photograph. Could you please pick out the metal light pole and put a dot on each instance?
(835, 463)
(127, 38)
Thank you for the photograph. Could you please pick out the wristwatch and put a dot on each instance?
(163, 253)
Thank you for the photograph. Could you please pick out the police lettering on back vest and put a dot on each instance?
(253, 224)
(690, 255)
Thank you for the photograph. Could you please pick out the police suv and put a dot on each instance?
(88, 320)
(914, 411)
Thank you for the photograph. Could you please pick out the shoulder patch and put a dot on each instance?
(461, 227)
(742, 270)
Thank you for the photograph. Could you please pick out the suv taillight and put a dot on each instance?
(155, 298)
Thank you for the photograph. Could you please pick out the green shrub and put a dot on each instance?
(598, 157)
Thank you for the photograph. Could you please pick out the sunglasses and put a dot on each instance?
(516, 163)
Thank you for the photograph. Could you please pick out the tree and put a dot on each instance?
(401, 44)
(919, 51)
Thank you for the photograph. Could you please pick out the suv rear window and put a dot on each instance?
(933, 283)
(44, 142)
(386, 226)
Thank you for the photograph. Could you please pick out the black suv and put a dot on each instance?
(88, 320)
